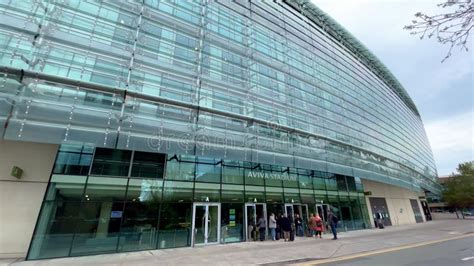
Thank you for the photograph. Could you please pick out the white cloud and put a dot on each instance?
(452, 141)
(435, 87)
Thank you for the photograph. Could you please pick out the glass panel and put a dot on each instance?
(176, 170)
(305, 182)
(357, 217)
(251, 178)
(292, 195)
(66, 188)
(111, 162)
(232, 175)
(208, 173)
(175, 225)
(139, 225)
(213, 224)
(254, 194)
(273, 182)
(73, 160)
(359, 186)
(105, 189)
(98, 228)
(331, 183)
(351, 185)
(204, 192)
(319, 183)
(292, 182)
(232, 193)
(232, 222)
(274, 194)
(200, 224)
(54, 230)
(341, 183)
(307, 196)
(147, 164)
(145, 190)
(175, 191)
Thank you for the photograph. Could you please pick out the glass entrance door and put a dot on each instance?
(297, 208)
(301, 210)
(253, 212)
(206, 223)
(289, 210)
(323, 210)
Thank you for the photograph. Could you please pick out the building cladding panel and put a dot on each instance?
(268, 82)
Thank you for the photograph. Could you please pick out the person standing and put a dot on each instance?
(319, 225)
(333, 220)
(286, 227)
(262, 227)
(299, 225)
(272, 224)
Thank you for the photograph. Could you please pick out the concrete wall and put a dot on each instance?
(20, 199)
(398, 201)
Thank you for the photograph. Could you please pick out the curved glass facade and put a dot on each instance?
(257, 82)
(275, 83)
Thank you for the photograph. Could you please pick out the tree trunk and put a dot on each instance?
(456, 211)
(462, 214)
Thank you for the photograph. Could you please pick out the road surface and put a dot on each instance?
(452, 252)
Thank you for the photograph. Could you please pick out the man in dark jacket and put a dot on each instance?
(333, 220)
(299, 225)
(285, 225)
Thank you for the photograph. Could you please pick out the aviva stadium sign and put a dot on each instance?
(274, 176)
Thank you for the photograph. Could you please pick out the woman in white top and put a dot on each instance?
(272, 224)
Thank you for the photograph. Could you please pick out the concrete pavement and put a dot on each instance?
(278, 252)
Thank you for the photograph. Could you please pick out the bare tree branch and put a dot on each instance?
(452, 28)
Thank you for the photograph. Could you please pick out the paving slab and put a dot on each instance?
(276, 252)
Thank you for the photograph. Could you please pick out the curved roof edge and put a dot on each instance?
(333, 28)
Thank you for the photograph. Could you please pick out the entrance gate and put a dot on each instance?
(323, 210)
(253, 212)
(206, 223)
(302, 210)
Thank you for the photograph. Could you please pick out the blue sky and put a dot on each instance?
(443, 92)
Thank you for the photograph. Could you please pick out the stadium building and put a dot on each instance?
(140, 125)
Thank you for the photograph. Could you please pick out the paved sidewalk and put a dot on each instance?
(278, 252)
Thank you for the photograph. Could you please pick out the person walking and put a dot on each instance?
(262, 227)
(319, 225)
(272, 224)
(299, 225)
(286, 227)
(333, 220)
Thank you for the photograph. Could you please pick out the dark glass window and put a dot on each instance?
(111, 162)
(351, 185)
(341, 183)
(150, 165)
(73, 160)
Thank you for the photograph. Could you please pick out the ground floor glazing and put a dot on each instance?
(106, 200)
